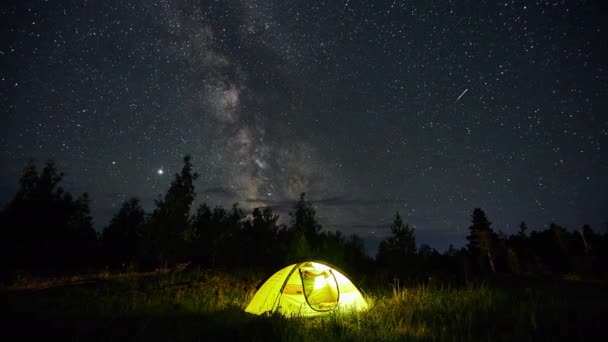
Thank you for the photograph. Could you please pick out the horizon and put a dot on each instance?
(372, 234)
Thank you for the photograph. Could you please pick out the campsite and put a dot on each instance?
(226, 275)
(303, 170)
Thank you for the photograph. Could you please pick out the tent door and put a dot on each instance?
(320, 289)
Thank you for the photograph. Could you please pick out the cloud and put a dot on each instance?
(219, 191)
(342, 201)
(331, 201)
(360, 227)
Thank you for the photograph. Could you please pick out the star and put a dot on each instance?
(427, 105)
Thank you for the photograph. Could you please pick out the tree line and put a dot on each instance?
(46, 230)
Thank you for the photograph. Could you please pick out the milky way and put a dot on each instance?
(429, 108)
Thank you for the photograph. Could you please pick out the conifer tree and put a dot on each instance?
(120, 239)
(482, 239)
(170, 220)
(399, 250)
(43, 227)
(302, 219)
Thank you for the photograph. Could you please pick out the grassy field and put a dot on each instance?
(197, 305)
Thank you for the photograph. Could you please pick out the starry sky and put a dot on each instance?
(429, 108)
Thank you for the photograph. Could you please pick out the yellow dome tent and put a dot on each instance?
(307, 289)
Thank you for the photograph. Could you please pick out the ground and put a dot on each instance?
(203, 305)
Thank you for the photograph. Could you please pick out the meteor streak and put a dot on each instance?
(461, 95)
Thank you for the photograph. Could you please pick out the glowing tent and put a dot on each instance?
(307, 289)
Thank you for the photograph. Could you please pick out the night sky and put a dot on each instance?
(429, 108)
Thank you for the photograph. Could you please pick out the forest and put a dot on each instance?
(47, 230)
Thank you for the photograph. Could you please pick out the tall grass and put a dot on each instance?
(199, 304)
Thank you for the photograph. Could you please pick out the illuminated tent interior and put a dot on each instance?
(307, 289)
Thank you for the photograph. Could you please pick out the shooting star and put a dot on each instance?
(461, 95)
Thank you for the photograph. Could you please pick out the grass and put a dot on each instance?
(203, 305)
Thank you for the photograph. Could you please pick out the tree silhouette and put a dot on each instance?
(44, 229)
(121, 237)
(553, 246)
(355, 257)
(166, 228)
(298, 248)
(200, 238)
(523, 230)
(304, 231)
(397, 253)
(207, 234)
(331, 246)
(260, 232)
(482, 239)
(302, 219)
(231, 242)
(215, 238)
(85, 242)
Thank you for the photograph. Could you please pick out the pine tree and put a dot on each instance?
(298, 248)
(43, 227)
(304, 231)
(261, 230)
(523, 230)
(170, 220)
(482, 239)
(399, 250)
(303, 219)
(121, 237)
(85, 247)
